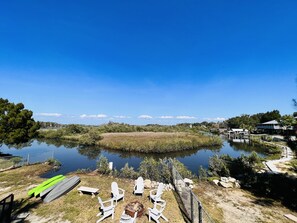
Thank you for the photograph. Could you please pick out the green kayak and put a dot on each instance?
(39, 190)
(31, 192)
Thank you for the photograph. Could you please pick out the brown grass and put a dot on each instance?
(79, 208)
(156, 142)
(237, 205)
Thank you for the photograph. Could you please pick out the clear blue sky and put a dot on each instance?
(148, 61)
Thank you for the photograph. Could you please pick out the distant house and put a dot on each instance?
(271, 127)
(235, 133)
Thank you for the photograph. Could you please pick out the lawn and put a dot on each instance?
(74, 207)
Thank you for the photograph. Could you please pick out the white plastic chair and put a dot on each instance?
(127, 218)
(155, 213)
(156, 193)
(139, 186)
(117, 193)
(106, 210)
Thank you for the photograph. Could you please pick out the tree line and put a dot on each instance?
(251, 121)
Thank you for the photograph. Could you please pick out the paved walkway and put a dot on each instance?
(287, 155)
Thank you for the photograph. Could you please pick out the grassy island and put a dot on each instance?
(145, 139)
(156, 142)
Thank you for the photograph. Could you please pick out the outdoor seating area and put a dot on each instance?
(76, 207)
(133, 209)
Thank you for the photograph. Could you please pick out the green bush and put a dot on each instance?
(218, 166)
(156, 170)
(54, 162)
(202, 173)
(102, 165)
(128, 172)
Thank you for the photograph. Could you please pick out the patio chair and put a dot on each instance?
(106, 210)
(155, 213)
(156, 193)
(139, 186)
(127, 218)
(117, 193)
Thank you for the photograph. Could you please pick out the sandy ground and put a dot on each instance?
(237, 205)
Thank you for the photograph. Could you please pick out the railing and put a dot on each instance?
(6, 208)
(188, 201)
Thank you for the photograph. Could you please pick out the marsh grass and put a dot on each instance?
(137, 141)
(157, 142)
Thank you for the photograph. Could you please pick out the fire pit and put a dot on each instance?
(133, 207)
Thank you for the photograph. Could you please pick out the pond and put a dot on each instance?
(73, 157)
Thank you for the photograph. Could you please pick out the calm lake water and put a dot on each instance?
(73, 157)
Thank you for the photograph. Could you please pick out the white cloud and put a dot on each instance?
(93, 116)
(145, 117)
(49, 114)
(166, 117)
(185, 117)
(218, 119)
(121, 116)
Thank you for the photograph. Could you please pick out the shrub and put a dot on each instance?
(102, 165)
(128, 172)
(156, 170)
(218, 166)
(54, 162)
(202, 173)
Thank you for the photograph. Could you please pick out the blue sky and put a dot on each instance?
(148, 61)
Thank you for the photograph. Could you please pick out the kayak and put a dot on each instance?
(46, 191)
(65, 186)
(54, 182)
(31, 192)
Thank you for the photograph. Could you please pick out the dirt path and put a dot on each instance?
(239, 206)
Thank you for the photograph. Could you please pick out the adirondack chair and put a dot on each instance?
(155, 213)
(127, 218)
(106, 210)
(117, 193)
(139, 186)
(156, 193)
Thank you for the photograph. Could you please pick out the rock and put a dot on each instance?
(224, 179)
(188, 181)
(236, 185)
(216, 182)
(154, 184)
(231, 179)
(147, 184)
(226, 185)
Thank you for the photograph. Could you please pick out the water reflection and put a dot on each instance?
(73, 156)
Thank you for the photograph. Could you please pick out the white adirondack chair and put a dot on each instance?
(155, 213)
(117, 193)
(139, 186)
(106, 210)
(156, 193)
(127, 218)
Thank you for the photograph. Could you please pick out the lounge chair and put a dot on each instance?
(127, 218)
(139, 186)
(155, 194)
(106, 210)
(117, 193)
(155, 213)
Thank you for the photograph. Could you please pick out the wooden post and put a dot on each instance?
(28, 159)
(192, 211)
(200, 212)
